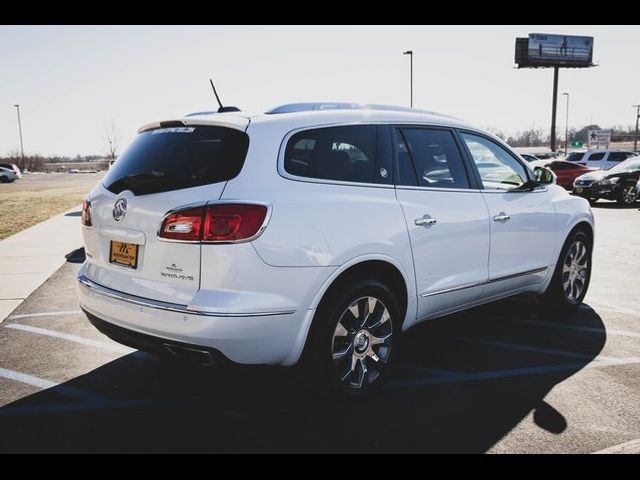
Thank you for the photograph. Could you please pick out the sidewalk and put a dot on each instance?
(29, 257)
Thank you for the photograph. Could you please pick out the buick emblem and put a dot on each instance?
(120, 210)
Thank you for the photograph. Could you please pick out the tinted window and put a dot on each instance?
(575, 157)
(497, 167)
(167, 159)
(561, 166)
(336, 153)
(595, 156)
(436, 158)
(618, 156)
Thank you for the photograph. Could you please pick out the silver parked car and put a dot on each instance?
(9, 172)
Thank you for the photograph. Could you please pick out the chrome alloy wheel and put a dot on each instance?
(574, 271)
(629, 194)
(362, 342)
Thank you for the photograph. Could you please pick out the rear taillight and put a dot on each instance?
(86, 213)
(183, 225)
(225, 222)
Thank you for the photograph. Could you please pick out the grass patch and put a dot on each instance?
(36, 198)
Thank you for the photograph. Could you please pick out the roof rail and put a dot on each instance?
(316, 106)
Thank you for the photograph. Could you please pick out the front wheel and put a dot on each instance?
(627, 195)
(352, 339)
(572, 274)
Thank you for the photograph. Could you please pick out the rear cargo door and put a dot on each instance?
(164, 169)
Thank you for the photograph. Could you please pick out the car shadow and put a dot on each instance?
(461, 383)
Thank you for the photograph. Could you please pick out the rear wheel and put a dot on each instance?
(627, 195)
(350, 345)
(572, 273)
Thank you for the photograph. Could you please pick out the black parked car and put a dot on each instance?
(617, 183)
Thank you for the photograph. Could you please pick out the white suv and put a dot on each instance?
(315, 237)
(602, 159)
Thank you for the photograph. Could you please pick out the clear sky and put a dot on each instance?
(71, 82)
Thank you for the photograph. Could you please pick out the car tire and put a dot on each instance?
(4, 180)
(572, 273)
(627, 195)
(350, 348)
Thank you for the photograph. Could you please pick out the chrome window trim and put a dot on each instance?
(262, 228)
(486, 282)
(540, 189)
(165, 306)
(436, 189)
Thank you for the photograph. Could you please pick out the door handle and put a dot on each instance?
(501, 217)
(425, 221)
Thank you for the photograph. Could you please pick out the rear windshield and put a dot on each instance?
(173, 158)
(575, 157)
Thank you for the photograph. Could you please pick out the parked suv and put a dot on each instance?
(602, 159)
(9, 172)
(315, 237)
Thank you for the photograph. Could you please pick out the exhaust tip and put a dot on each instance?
(203, 357)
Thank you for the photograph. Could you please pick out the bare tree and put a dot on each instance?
(112, 140)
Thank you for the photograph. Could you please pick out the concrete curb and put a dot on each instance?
(31, 256)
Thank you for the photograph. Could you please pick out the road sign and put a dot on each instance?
(577, 144)
(599, 138)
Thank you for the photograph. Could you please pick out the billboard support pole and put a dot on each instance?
(554, 105)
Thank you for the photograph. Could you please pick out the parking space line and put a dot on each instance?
(101, 405)
(604, 305)
(607, 331)
(528, 348)
(632, 447)
(525, 348)
(45, 314)
(27, 379)
(426, 370)
(510, 373)
(43, 384)
(72, 338)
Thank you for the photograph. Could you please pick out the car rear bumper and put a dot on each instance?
(270, 338)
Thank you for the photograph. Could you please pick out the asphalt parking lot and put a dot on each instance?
(507, 377)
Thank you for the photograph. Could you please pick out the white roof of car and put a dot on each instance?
(316, 117)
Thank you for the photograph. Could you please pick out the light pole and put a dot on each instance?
(20, 131)
(635, 138)
(410, 53)
(566, 127)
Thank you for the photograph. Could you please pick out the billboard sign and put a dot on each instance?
(559, 50)
(599, 138)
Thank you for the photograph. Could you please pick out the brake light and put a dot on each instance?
(231, 222)
(183, 225)
(86, 213)
(225, 222)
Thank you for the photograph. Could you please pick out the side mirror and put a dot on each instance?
(544, 176)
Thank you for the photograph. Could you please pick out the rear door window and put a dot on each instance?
(166, 159)
(437, 161)
(594, 157)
